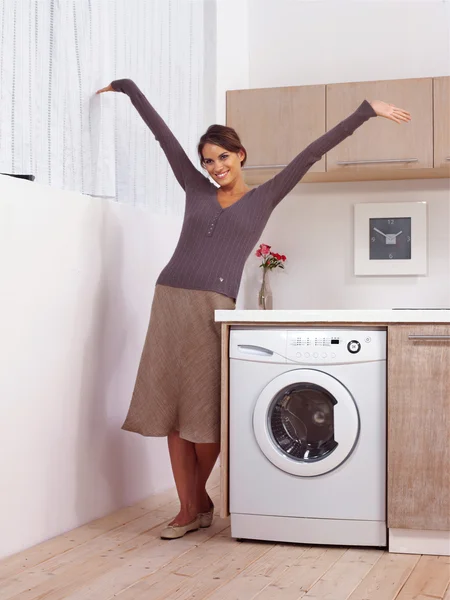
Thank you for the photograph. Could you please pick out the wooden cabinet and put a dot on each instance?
(419, 427)
(442, 122)
(275, 124)
(380, 143)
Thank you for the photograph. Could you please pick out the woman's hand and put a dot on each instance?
(389, 111)
(108, 88)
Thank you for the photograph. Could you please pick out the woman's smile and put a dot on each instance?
(222, 175)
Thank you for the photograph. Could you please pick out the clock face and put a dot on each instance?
(390, 239)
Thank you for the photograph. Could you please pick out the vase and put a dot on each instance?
(265, 299)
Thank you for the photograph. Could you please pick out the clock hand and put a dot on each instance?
(378, 231)
(396, 234)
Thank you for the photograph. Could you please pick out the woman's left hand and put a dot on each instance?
(389, 111)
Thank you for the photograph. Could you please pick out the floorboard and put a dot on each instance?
(121, 556)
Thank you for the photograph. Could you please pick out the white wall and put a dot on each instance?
(314, 228)
(295, 42)
(232, 50)
(292, 42)
(77, 281)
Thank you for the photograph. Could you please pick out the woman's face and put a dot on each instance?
(222, 165)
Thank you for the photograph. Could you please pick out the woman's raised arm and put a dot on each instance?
(182, 167)
(279, 186)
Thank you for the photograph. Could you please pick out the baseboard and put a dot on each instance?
(414, 541)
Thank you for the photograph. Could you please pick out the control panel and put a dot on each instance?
(328, 346)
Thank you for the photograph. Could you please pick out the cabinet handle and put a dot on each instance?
(377, 161)
(263, 167)
(429, 337)
(345, 162)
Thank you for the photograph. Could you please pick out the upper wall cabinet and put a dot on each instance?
(442, 122)
(380, 143)
(275, 124)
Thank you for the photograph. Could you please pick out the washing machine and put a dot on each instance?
(308, 435)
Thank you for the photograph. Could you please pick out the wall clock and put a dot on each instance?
(390, 238)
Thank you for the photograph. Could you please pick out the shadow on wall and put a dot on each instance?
(106, 468)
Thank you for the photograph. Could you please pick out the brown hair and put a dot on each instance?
(225, 137)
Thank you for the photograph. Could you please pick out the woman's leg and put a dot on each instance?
(206, 459)
(184, 467)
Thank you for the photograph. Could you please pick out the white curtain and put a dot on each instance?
(158, 44)
(54, 55)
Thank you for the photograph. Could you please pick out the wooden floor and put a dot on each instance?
(121, 556)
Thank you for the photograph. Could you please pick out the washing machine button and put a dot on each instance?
(324, 355)
(298, 355)
(333, 355)
(316, 355)
(368, 339)
(354, 347)
(307, 355)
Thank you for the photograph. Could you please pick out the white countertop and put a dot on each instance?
(333, 316)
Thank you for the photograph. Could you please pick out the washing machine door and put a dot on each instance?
(306, 422)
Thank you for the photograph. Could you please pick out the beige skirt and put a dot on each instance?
(178, 381)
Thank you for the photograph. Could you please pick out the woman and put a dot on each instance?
(177, 391)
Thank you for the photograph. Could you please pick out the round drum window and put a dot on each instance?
(301, 422)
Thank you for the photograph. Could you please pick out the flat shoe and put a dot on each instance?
(173, 532)
(206, 518)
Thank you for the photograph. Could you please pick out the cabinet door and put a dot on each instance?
(275, 124)
(380, 143)
(224, 424)
(441, 121)
(419, 427)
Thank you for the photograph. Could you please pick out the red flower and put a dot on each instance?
(269, 260)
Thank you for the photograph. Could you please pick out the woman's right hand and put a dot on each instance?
(108, 88)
